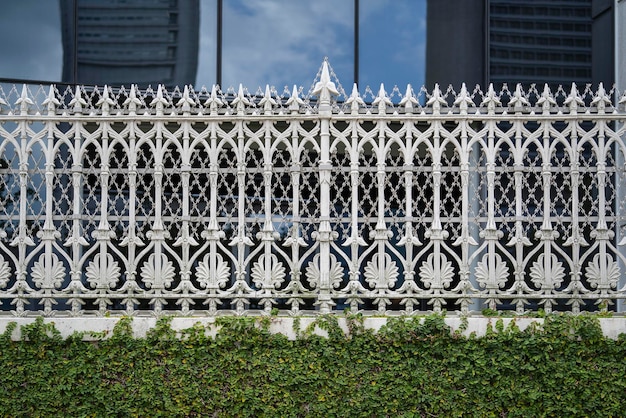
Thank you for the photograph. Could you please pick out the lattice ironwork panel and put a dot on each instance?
(9, 192)
(422, 188)
(309, 193)
(451, 192)
(119, 191)
(36, 191)
(227, 191)
(282, 193)
(199, 190)
(172, 192)
(145, 197)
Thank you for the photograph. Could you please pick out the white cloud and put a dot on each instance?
(284, 42)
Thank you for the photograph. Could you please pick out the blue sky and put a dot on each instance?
(283, 42)
(276, 42)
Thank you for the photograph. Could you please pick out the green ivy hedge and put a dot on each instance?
(410, 368)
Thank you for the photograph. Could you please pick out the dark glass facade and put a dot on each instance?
(540, 41)
(531, 42)
(123, 42)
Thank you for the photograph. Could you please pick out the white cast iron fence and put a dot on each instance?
(221, 202)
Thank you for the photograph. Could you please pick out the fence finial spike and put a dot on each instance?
(436, 100)
(546, 101)
(132, 101)
(325, 87)
(601, 100)
(382, 100)
(24, 101)
(240, 101)
(355, 100)
(409, 99)
(51, 101)
(186, 102)
(105, 101)
(574, 100)
(213, 102)
(78, 102)
(267, 101)
(408, 93)
(436, 96)
(160, 92)
(159, 101)
(491, 100)
(518, 101)
(464, 100)
(355, 93)
(105, 92)
(294, 102)
(24, 94)
(519, 92)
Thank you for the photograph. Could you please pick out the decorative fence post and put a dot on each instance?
(241, 289)
(213, 272)
(436, 272)
(603, 272)
(324, 89)
(491, 270)
(382, 273)
(463, 101)
(157, 272)
(131, 241)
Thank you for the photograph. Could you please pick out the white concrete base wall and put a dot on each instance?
(611, 327)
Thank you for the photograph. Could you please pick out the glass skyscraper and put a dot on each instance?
(539, 41)
(123, 42)
(507, 41)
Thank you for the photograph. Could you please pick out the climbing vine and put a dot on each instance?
(411, 367)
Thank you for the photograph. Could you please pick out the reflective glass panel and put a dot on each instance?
(207, 44)
(283, 42)
(392, 44)
(31, 40)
